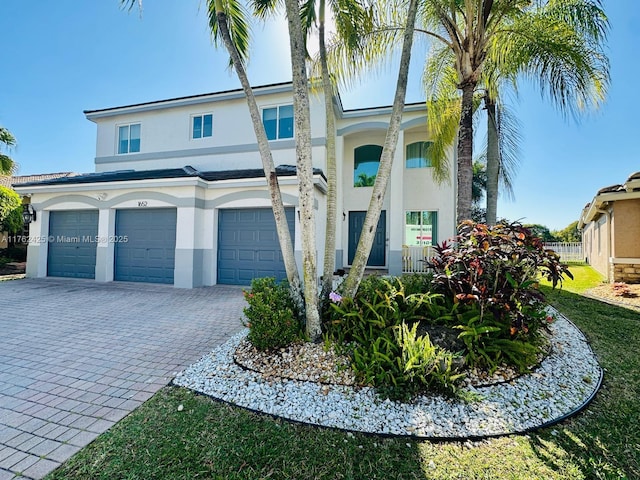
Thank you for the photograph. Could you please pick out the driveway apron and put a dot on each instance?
(77, 356)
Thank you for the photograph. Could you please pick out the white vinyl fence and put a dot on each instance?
(568, 251)
(414, 258)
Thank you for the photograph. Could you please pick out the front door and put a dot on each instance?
(377, 257)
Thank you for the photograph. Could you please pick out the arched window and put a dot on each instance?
(416, 155)
(366, 160)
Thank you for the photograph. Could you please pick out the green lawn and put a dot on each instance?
(212, 440)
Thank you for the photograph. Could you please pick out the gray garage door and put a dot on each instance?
(72, 245)
(248, 245)
(146, 245)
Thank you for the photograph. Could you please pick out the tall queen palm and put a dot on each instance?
(557, 43)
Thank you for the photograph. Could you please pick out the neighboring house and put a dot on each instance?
(11, 181)
(610, 227)
(179, 195)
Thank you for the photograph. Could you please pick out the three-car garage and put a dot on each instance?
(145, 243)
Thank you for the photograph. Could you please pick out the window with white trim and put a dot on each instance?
(202, 125)
(129, 138)
(421, 228)
(416, 155)
(278, 122)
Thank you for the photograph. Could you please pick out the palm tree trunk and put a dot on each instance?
(282, 227)
(493, 161)
(301, 113)
(465, 153)
(330, 234)
(386, 160)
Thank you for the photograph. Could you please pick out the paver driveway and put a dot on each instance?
(77, 356)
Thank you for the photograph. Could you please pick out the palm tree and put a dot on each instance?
(228, 23)
(557, 43)
(350, 20)
(517, 37)
(561, 47)
(302, 119)
(349, 17)
(7, 165)
(367, 235)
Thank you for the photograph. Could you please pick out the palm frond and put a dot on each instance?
(510, 147)
(237, 17)
(7, 165)
(569, 69)
(7, 138)
(265, 8)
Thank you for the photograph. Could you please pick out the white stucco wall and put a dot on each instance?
(197, 204)
(165, 138)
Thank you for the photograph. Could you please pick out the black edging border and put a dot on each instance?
(436, 439)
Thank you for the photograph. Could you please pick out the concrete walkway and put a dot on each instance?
(77, 356)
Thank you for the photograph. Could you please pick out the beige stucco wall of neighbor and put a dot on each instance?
(596, 240)
(626, 231)
(625, 259)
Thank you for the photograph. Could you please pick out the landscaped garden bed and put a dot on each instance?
(470, 350)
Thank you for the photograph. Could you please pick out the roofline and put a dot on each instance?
(235, 94)
(601, 200)
(408, 107)
(630, 190)
(187, 100)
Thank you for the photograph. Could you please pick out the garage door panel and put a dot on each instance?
(148, 255)
(267, 256)
(251, 234)
(246, 236)
(71, 253)
(246, 255)
(227, 254)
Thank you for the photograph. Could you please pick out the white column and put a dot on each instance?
(38, 247)
(105, 250)
(396, 209)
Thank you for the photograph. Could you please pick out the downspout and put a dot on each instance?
(609, 241)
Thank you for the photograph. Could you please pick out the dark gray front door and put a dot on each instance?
(377, 256)
(248, 245)
(72, 243)
(145, 245)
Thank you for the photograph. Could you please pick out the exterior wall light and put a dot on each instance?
(28, 214)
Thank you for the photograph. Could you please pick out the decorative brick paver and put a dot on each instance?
(78, 356)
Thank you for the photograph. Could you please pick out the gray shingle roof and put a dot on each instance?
(185, 172)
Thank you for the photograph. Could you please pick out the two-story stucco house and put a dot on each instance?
(179, 196)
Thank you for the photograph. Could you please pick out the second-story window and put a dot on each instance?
(278, 122)
(366, 160)
(129, 138)
(417, 155)
(202, 126)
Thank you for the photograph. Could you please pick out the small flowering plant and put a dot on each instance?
(335, 297)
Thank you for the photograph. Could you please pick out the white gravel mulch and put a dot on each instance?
(565, 381)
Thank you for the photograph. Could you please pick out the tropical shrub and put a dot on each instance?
(497, 268)
(271, 315)
(379, 329)
(9, 201)
(490, 279)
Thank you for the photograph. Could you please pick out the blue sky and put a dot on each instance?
(58, 61)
